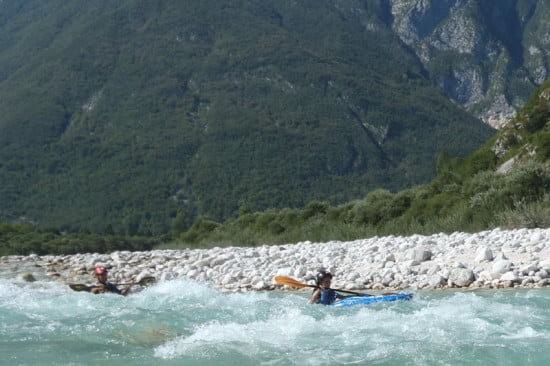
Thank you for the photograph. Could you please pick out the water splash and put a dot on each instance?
(185, 322)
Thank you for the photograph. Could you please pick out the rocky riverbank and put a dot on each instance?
(488, 259)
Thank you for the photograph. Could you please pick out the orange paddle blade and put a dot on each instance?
(283, 280)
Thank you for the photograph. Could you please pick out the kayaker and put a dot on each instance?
(102, 285)
(323, 294)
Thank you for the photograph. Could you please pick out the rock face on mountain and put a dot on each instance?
(489, 56)
(118, 117)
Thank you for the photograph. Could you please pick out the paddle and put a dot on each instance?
(145, 281)
(283, 280)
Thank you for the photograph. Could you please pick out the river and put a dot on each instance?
(183, 322)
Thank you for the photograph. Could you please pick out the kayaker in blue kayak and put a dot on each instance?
(102, 285)
(323, 294)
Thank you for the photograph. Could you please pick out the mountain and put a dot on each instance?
(505, 184)
(488, 55)
(118, 117)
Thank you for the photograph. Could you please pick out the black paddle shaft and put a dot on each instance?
(351, 292)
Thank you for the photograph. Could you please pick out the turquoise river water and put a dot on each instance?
(187, 323)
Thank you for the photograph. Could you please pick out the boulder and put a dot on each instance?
(286, 271)
(483, 254)
(461, 277)
(542, 274)
(27, 277)
(352, 276)
(500, 257)
(228, 280)
(536, 237)
(220, 259)
(501, 266)
(485, 276)
(436, 281)
(545, 264)
(509, 277)
(422, 254)
(528, 268)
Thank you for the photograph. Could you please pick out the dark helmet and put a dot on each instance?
(321, 276)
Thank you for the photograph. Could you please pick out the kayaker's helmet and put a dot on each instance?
(100, 270)
(321, 276)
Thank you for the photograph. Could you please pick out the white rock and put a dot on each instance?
(501, 266)
(142, 275)
(485, 276)
(535, 237)
(484, 253)
(528, 268)
(260, 285)
(199, 263)
(461, 277)
(436, 281)
(422, 254)
(300, 271)
(545, 264)
(193, 273)
(227, 280)
(286, 271)
(509, 276)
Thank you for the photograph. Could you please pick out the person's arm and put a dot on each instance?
(98, 289)
(315, 297)
(127, 289)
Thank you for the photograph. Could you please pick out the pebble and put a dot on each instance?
(489, 259)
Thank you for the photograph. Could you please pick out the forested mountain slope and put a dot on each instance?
(505, 183)
(118, 116)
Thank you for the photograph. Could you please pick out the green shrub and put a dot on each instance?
(201, 229)
(264, 220)
(179, 224)
(529, 182)
(529, 215)
(315, 208)
(542, 142)
(6, 229)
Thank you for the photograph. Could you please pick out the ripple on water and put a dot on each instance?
(185, 322)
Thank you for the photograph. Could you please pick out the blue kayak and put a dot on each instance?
(364, 300)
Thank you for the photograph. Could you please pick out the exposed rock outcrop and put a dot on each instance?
(488, 56)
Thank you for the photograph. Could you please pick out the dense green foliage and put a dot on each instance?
(468, 194)
(119, 117)
(479, 202)
(18, 239)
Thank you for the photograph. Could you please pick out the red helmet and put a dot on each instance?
(100, 270)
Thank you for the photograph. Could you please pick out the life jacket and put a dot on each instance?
(327, 297)
(109, 287)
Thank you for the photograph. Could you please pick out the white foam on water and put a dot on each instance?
(424, 330)
(183, 321)
(526, 332)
